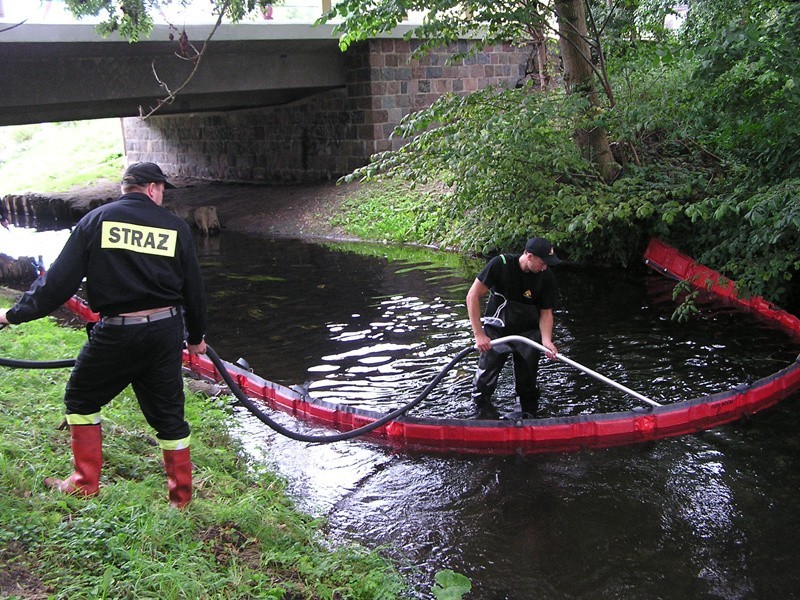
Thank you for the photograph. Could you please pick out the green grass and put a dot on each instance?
(56, 157)
(241, 537)
(388, 211)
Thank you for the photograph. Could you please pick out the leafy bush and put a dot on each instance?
(704, 125)
(746, 92)
(487, 151)
(747, 85)
(511, 170)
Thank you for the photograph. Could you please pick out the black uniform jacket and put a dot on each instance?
(135, 255)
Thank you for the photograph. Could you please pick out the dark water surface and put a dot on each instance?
(706, 516)
(712, 515)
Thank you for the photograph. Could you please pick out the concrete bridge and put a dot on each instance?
(68, 72)
(271, 102)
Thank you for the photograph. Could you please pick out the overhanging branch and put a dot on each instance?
(196, 58)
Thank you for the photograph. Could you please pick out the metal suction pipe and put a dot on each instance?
(523, 340)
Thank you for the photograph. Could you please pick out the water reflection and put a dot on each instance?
(673, 520)
(680, 518)
(23, 241)
(372, 329)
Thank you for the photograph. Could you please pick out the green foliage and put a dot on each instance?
(450, 585)
(446, 21)
(688, 306)
(750, 88)
(133, 19)
(753, 236)
(744, 89)
(710, 16)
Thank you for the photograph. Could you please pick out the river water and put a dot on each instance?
(711, 515)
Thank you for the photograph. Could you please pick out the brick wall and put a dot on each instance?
(399, 85)
(324, 136)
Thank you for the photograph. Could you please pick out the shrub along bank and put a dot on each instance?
(241, 537)
(703, 124)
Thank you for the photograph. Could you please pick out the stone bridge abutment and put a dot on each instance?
(323, 136)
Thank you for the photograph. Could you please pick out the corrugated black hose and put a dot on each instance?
(257, 412)
(324, 439)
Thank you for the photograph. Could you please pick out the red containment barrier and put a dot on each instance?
(506, 436)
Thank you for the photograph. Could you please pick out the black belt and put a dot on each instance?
(156, 316)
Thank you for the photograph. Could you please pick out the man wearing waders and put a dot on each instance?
(522, 295)
(143, 277)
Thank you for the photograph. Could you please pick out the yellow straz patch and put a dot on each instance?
(139, 238)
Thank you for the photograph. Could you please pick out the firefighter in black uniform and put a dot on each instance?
(143, 277)
(522, 295)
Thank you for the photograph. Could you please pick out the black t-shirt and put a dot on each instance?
(516, 296)
(503, 274)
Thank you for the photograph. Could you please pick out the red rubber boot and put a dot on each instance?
(87, 457)
(178, 465)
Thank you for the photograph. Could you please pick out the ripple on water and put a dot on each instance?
(405, 330)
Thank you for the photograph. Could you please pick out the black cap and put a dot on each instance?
(142, 173)
(543, 249)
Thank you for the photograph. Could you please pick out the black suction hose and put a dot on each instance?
(253, 407)
(31, 364)
(35, 364)
(324, 439)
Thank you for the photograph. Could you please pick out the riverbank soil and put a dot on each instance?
(291, 211)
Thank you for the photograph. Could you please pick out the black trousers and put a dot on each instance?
(526, 369)
(147, 357)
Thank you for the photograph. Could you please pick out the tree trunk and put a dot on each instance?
(579, 79)
(540, 47)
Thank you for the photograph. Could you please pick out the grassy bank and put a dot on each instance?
(389, 211)
(240, 538)
(55, 157)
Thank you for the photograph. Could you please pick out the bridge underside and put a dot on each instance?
(271, 103)
(44, 82)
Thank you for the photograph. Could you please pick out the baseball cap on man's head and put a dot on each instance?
(142, 173)
(543, 249)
